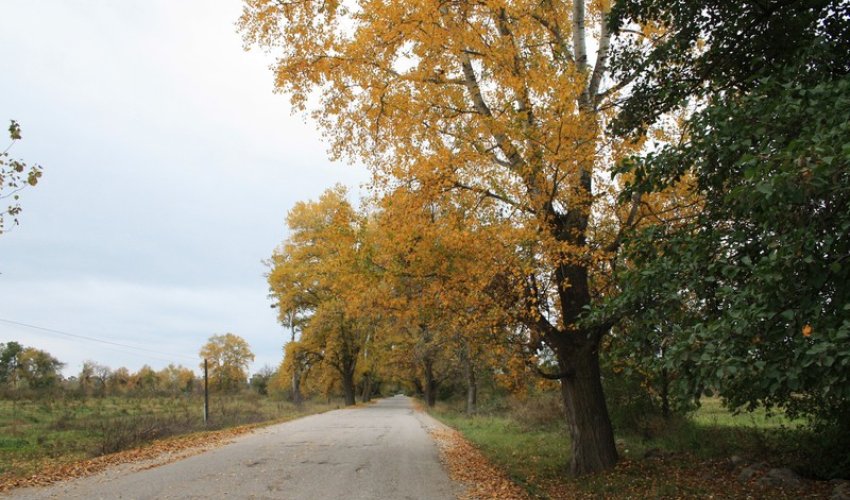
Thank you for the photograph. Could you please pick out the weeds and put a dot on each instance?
(660, 456)
(34, 433)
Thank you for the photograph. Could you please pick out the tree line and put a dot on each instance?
(668, 202)
(33, 373)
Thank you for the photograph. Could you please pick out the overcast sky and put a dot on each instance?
(169, 166)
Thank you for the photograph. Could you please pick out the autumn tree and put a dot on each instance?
(15, 175)
(500, 99)
(93, 378)
(28, 367)
(176, 379)
(39, 369)
(228, 357)
(431, 285)
(118, 381)
(313, 275)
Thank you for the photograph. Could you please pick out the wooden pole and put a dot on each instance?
(206, 394)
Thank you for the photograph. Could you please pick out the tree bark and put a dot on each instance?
(471, 386)
(366, 395)
(348, 388)
(590, 428)
(430, 384)
(297, 397)
(665, 393)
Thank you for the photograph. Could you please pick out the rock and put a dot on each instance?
(841, 490)
(733, 463)
(781, 478)
(751, 471)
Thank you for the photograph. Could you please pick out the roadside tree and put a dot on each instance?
(228, 357)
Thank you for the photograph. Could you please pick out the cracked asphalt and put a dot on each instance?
(374, 452)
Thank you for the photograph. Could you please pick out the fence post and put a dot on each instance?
(206, 394)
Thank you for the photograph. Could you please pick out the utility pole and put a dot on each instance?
(206, 394)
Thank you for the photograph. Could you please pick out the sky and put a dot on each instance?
(169, 167)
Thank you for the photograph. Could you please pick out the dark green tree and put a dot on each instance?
(9, 361)
(763, 270)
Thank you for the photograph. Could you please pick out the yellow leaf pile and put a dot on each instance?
(467, 465)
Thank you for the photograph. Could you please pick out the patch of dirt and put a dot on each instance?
(467, 465)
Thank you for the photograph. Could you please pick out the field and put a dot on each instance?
(682, 457)
(35, 434)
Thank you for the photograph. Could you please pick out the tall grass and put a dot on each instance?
(35, 432)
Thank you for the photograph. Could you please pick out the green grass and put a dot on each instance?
(38, 432)
(535, 454)
(524, 453)
(712, 413)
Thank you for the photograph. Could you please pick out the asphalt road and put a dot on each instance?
(375, 452)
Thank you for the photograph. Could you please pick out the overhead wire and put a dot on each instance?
(102, 341)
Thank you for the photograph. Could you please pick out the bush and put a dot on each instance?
(630, 406)
(121, 433)
(540, 410)
(825, 451)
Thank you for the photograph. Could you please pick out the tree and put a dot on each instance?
(15, 175)
(315, 278)
(118, 382)
(712, 47)
(38, 369)
(27, 366)
(9, 362)
(176, 379)
(260, 380)
(499, 99)
(228, 357)
(762, 268)
(93, 378)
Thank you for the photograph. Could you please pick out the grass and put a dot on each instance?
(525, 454)
(712, 413)
(35, 433)
(687, 454)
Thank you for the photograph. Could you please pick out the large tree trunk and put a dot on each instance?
(665, 393)
(430, 384)
(590, 428)
(471, 386)
(297, 397)
(366, 395)
(348, 388)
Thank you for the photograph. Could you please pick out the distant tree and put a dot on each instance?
(176, 379)
(38, 369)
(15, 175)
(146, 380)
(228, 356)
(118, 381)
(9, 361)
(93, 377)
(260, 380)
(312, 273)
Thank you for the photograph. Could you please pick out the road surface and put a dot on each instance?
(381, 451)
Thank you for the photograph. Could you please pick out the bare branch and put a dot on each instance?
(601, 59)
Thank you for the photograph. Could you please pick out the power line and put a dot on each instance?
(94, 339)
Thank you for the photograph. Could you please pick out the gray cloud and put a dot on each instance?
(169, 168)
